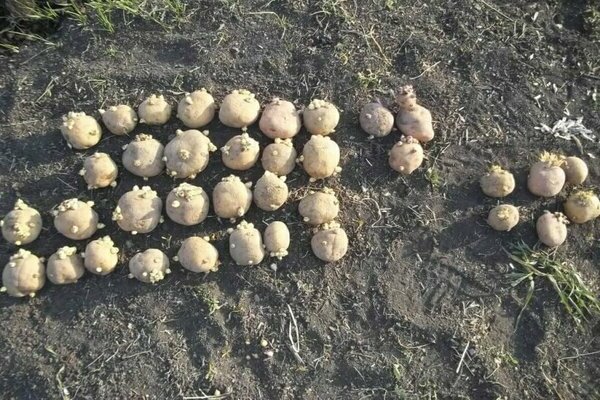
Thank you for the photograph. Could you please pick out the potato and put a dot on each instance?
(144, 156)
(138, 211)
(154, 110)
(196, 109)
(582, 206)
(413, 119)
(245, 244)
(196, 254)
(319, 207)
(80, 130)
(503, 217)
(546, 177)
(232, 198)
(120, 120)
(22, 225)
(280, 119)
(576, 170)
(65, 266)
(279, 157)
(76, 219)
(101, 256)
(277, 239)
(552, 228)
(321, 117)
(149, 266)
(99, 171)
(23, 275)
(330, 244)
(188, 153)
(240, 152)
(239, 109)
(270, 192)
(187, 204)
(406, 155)
(376, 120)
(320, 157)
(497, 182)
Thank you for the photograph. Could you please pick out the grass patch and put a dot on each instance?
(536, 266)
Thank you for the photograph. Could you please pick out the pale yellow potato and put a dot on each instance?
(99, 171)
(280, 119)
(188, 153)
(22, 225)
(552, 228)
(246, 245)
(279, 157)
(413, 119)
(239, 109)
(76, 219)
(65, 266)
(231, 197)
(197, 254)
(80, 130)
(101, 256)
(576, 170)
(23, 275)
(503, 217)
(320, 157)
(320, 117)
(155, 110)
(582, 206)
(497, 182)
(240, 152)
(120, 120)
(277, 239)
(319, 207)
(138, 211)
(406, 156)
(330, 244)
(144, 156)
(150, 266)
(376, 120)
(187, 204)
(270, 192)
(196, 109)
(546, 177)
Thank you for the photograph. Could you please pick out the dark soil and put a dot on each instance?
(424, 283)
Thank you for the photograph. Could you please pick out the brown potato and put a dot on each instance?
(76, 219)
(239, 109)
(279, 157)
(321, 117)
(319, 207)
(232, 198)
(196, 254)
(546, 177)
(22, 225)
(376, 120)
(149, 266)
(503, 217)
(155, 110)
(330, 244)
(144, 156)
(23, 275)
(187, 204)
(280, 119)
(277, 239)
(320, 157)
(552, 228)
(582, 206)
(120, 120)
(101, 256)
(246, 245)
(240, 152)
(138, 211)
(188, 153)
(406, 156)
(576, 170)
(497, 182)
(65, 266)
(413, 119)
(270, 192)
(196, 109)
(99, 171)
(80, 130)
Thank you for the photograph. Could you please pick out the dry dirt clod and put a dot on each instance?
(23, 275)
(188, 153)
(279, 157)
(552, 228)
(101, 256)
(197, 254)
(138, 211)
(246, 245)
(582, 206)
(239, 109)
(321, 117)
(270, 192)
(187, 204)
(330, 243)
(406, 155)
(413, 119)
(318, 208)
(120, 120)
(99, 171)
(376, 120)
(65, 266)
(280, 119)
(149, 266)
(503, 217)
(80, 130)
(144, 156)
(196, 109)
(22, 225)
(497, 182)
(240, 152)
(576, 170)
(231, 197)
(76, 219)
(320, 157)
(155, 110)
(546, 177)
(277, 239)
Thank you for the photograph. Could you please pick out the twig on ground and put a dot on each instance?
(294, 345)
